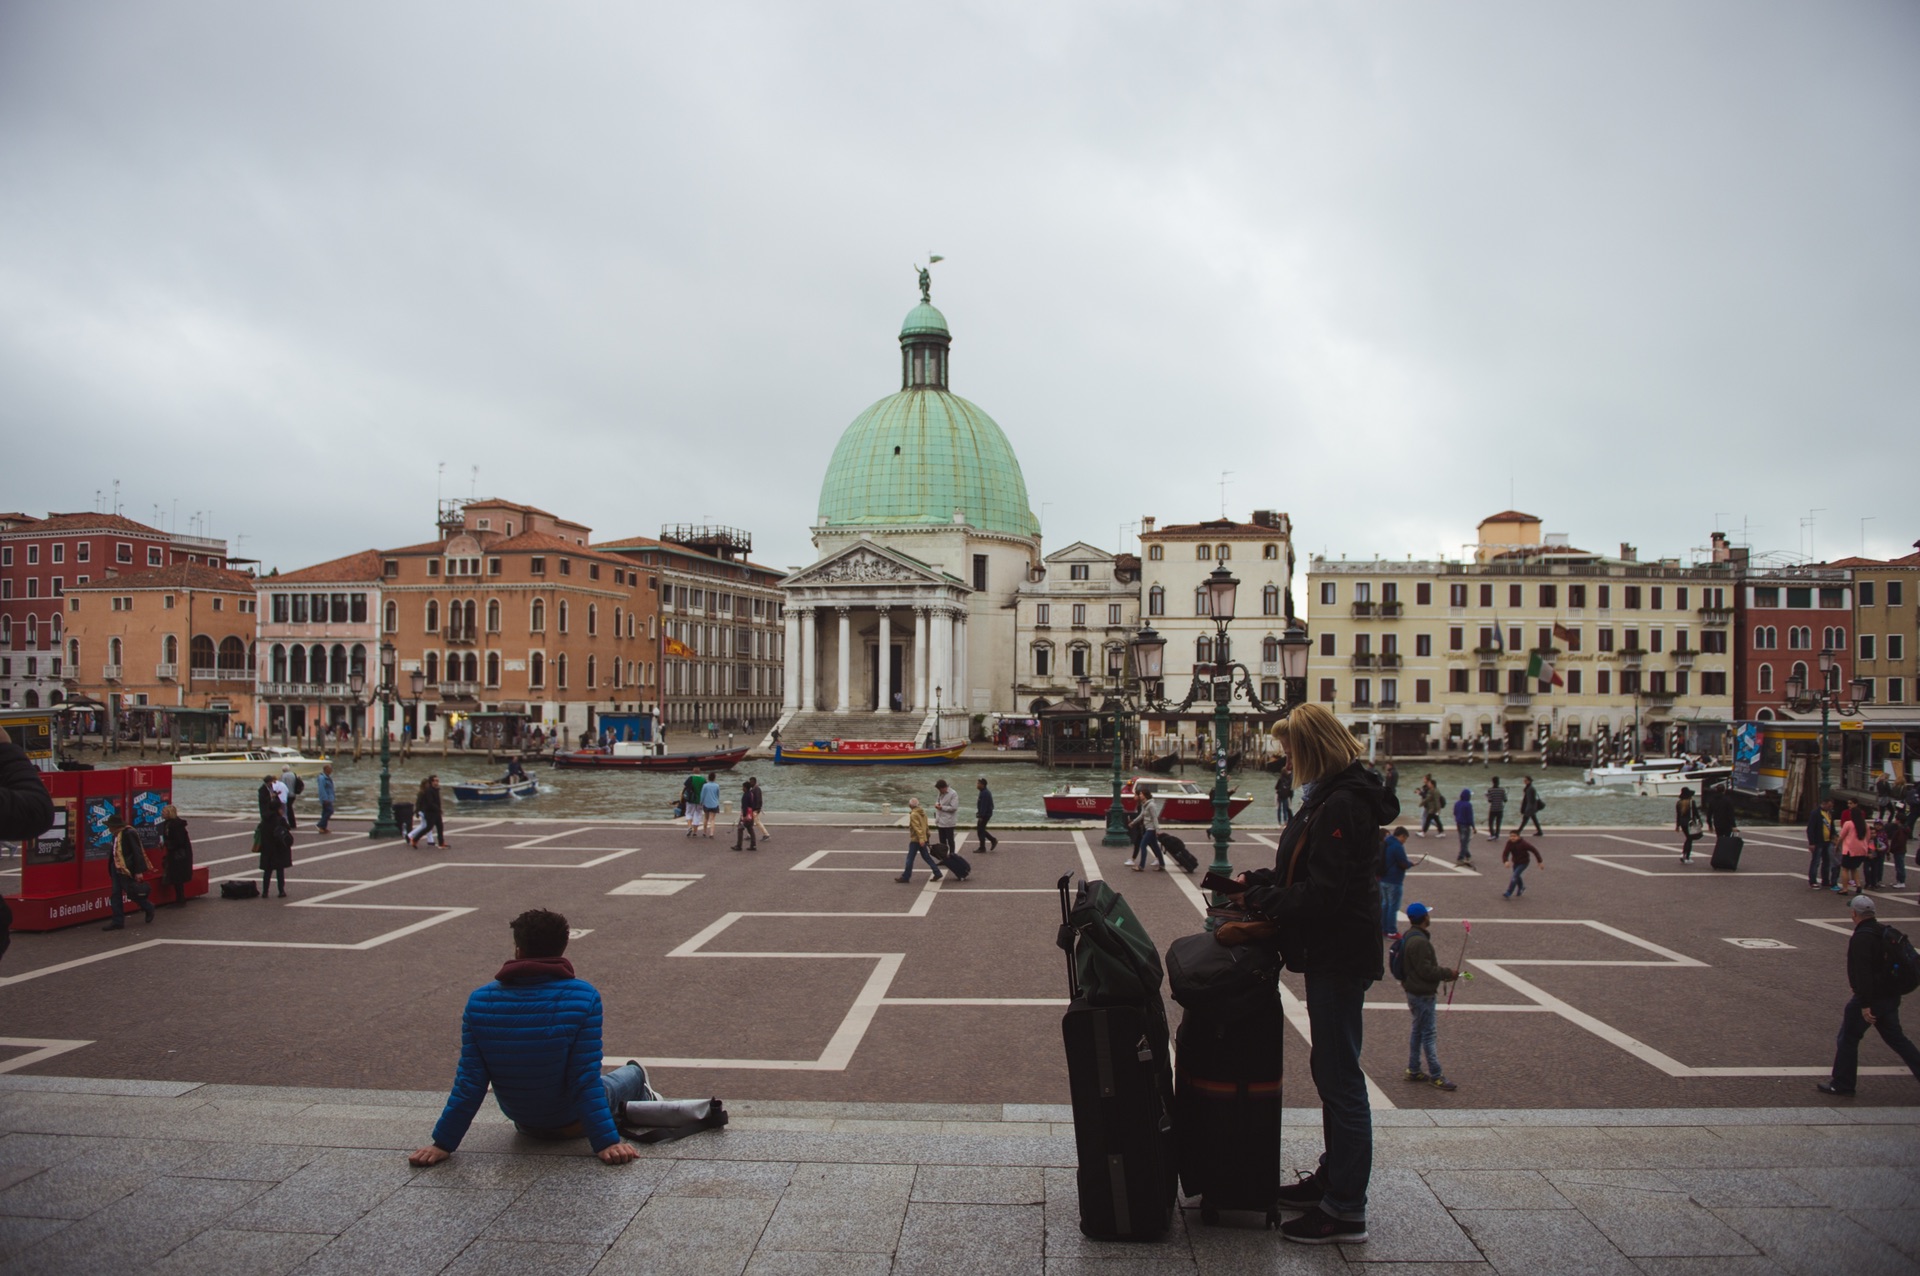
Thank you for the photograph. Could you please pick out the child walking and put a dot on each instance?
(1519, 852)
(1421, 977)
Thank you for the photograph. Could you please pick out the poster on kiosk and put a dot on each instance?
(64, 879)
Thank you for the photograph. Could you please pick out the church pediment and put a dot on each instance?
(866, 564)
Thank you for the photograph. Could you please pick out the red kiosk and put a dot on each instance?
(63, 879)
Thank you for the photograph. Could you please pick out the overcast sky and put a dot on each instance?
(1640, 269)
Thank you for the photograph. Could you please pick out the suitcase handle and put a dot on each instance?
(1065, 937)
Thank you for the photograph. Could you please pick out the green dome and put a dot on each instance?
(923, 318)
(919, 455)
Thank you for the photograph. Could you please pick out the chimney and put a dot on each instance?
(1147, 521)
(1629, 553)
(1266, 518)
(1722, 552)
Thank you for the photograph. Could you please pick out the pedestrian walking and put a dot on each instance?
(1530, 805)
(1519, 852)
(26, 811)
(946, 815)
(917, 842)
(1822, 864)
(1897, 837)
(1853, 848)
(709, 803)
(179, 858)
(290, 781)
(1431, 805)
(1463, 825)
(1323, 895)
(1148, 818)
(1283, 791)
(1393, 878)
(429, 813)
(982, 812)
(690, 790)
(1391, 778)
(323, 789)
(1719, 807)
(1689, 821)
(1421, 979)
(1496, 808)
(749, 807)
(1875, 1003)
(126, 867)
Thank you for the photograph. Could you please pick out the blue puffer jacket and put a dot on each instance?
(534, 1034)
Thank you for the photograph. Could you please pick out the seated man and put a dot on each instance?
(534, 1034)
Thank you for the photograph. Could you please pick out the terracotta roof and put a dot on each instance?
(1509, 516)
(1905, 560)
(88, 521)
(358, 568)
(1217, 527)
(1541, 551)
(176, 576)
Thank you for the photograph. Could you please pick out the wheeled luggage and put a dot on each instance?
(956, 864)
(1726, 852)
(1115, 1032)
(1226, 1104)
(1177, 848)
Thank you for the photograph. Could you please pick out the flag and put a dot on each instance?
(1562, 634)
(677, 648)
(1540, 669)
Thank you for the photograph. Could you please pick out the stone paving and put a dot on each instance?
(210, 1180)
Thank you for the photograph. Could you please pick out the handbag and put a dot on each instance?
(239, 890)
(664, 1120)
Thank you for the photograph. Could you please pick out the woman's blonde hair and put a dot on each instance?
(168, 812)
(1316, 743)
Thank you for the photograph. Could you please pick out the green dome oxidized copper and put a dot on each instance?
(923, 318)
(919, 455)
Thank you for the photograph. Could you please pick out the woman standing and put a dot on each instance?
(272, 840)
(1854, 849)
(1688, 822)
(1463, 824)
(179, 863)
(429, 812)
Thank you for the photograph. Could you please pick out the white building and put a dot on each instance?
(1073, 621)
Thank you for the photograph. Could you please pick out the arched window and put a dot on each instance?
(493, 668)
(1799, 672)
(433, 615)
(1202, 602)
(538, 622)
(431, 667)
(33, 631)
(233, 655)
(53, 623)
(277, 668)
(1156, 552)
(1759, 637)
(317, 663)
(31, 699)
(113, 651)
(469, 626)
(1077, 663)
(253, 655)
(1766, 677)
(472, 672)
(337, 665)
(357, 660)
(1203, 651)
(1836, 638)
(170, 650)
(1042, 660)
(593, 672)
(1269, 651)
(560, 671)
(493, 615)
(1270, 601)
(616, 622)
(536, 670)
(593, 620)
(1156, 600)
(73, 653)
(392, 616)
(1203, 552)
(200, 651)
(6, 631)
(1223, 552)
(1116, 660)
(563, 615)
(296, 663)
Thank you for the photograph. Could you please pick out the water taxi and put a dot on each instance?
(495, 790)
(251, 764)
(1182, 801)
(643, 755)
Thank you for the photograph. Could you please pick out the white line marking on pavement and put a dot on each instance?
(1089, 866)
(39, 1050)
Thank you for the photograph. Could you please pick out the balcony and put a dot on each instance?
(1683, 656)
(1632, 655)
(305, 690)
(1517, 699)
(1362, 660)
(166, 672)
(1362, 609)
(1392, 611)
(1387, 706)
(110, 672)
(459, 690)
(220, 675)
(1716, 615)
(1361, 706)
(1389, 660)
(1488, 655)
(460, 640)
(1659, 697)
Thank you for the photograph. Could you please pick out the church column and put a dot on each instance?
(921, 687)
(809, 660)
(962, 675)
(790, 662)
(885, 698)
(845, 667)
(942, 659)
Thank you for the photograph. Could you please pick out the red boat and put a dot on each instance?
(625, 757)
(1182, 802)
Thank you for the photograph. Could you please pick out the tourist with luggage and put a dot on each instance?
(1531, 804)
(1421, 975)
(1874, 975)
(1496, 809)
(1822, 865)
(946, 815)
(1148, 820)
(1519, 853)
(1323, 896)
(1393, 879)
(982, 812)
(917, 842)
(709, 804)
(179, 858)
(532, 1036)
(1463, 825)
(1689, 822)
(126, 867)
(1431, 804)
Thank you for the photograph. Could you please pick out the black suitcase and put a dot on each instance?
(956, 864)
(1177, 848)
(1726, 852)
(1226, 1110)
(1119, 1076)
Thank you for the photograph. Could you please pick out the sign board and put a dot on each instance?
(64, 879)
(34, 733)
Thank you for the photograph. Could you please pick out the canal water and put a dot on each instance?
(1017, 789)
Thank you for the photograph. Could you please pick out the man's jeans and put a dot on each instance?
(123, 887)
(1518, 885)
(1853, 1026)
(1286, 810)
(1346, 1122)
(326, 813)
(625, 1084)
(1426, 1035)
(1466, 838)
(1494, 815)
(917, 848)
(1390, 893)
(1433, 818)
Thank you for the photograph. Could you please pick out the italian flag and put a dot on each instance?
(1540, 669)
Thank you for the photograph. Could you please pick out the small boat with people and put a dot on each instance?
(1629, 774)
(248, 764)
(495, 790)
(1182, 801)
(865, 753)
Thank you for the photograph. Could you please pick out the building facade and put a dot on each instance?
(719, 639)
(1073, 621)
(1437, 653)
(1785, 617)
(319, 626)
(1886, 627)
(41, 558)
(179, 636)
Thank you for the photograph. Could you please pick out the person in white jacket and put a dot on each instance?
(946, 813)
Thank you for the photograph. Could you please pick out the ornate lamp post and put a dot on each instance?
(383, 822)
(1829, 700)
(1149, 652)
(936, 717)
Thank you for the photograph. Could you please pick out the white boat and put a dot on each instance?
(1669, 783)
(1631, 773)
(252, 764)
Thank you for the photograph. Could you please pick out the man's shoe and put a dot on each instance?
(1414, 1074)
(1824, 1087)
(1441, 1083)
(938, 876)
(903, 879)
(1316, 1227)
(114, 926)
(1304, 1194)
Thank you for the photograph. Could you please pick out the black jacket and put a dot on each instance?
(1720, 812)
(983, 804)
(270, 808)
(1863, 960)
(26, 809)
(173, 834)
(1329, 915)
(428, 802)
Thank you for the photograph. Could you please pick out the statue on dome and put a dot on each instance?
(926, 286)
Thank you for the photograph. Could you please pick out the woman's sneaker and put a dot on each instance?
(1414, 1074)
(1316, 1227)
(1441, 1083)
(1304, 1194)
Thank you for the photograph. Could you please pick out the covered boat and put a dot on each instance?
(250, 764)
(495, 790)
(1183, 802)
(864, 753)
(637, 756)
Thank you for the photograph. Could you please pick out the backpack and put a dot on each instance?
(299, 786)
(1397, 958)
(1899, 964)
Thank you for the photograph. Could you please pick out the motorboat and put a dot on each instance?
(865, 753)
(1628, 774)
(251, 764)
(1669, 783)
(1182, 801)
(643, 755)
(495, 790)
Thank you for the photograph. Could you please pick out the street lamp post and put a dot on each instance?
(383, 821)
(1829, 700)
(936, 717)
(1149, 655)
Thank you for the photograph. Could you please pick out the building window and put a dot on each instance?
(1075, 571)
(433, 616)
(1077, 662)
(1423, 691)
(1155, 553)
(1362, 691)
(1042, 660)
(1326, 691)
(493, 668)
(153, 556)
(1043, 614)
(1514, 593)
(1223, 552)
(1893, 591)
(1866, 647)
(493, 615)
(1456, 595)
(1156, 601)
(1203, 651)
(1270, 551)
(1327, 647)
(1329, 593)
(566, 567)
(1423, 594)
(1711, 684)
(537, 622)
(1765, 680)
(1202, 602)
(1896, 647)
(1549, 596)
(1573, 682)
(1896, 691)
(1834, 638)
(1079, 615)
(1489, 680)
(392, 617)
(536, 669)
(1203, 552)
(1486, 595)
(1270, 601)
(1456, 638)
(1114, 614)
(1603, 682)
(593, 671)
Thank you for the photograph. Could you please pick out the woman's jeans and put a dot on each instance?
(1150, 841)
(919, 848)
(625, 1084)
(1426, 1034)
(1390, 893)
(1346, 1121)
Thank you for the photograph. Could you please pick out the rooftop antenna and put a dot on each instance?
(1863, 533)
(1120, 539)
(116, 496)
(175, 525)
(473, 484)
(1806, 529)
(439, 483)
(97, 507)
(1223, 491)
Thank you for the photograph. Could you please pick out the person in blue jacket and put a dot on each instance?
(325, 786)
(533, 1034)
(1464, 825)
(1393, 878)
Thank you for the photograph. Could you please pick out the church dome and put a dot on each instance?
(925, 454)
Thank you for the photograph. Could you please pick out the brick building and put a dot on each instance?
(180, 635)
(41, 558)
(1786, 616)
